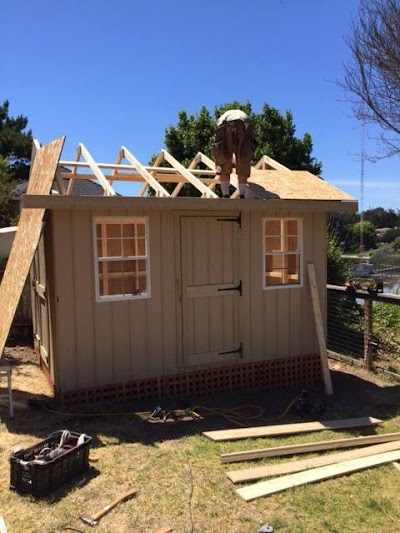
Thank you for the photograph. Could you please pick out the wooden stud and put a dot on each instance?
(320, 328)
(252, 474)
(289, 429)
(279, 484)
(307, 448)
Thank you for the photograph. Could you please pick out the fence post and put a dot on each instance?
(368, 326)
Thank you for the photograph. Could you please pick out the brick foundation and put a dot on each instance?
(278, 374)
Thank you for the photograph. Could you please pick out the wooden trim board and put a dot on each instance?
(289, 429)
(252, 474)
(278, 451)
(264, 488)
(320, 328)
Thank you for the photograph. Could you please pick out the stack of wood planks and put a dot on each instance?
(369, 451)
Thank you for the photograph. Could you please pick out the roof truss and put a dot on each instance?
(165, 169)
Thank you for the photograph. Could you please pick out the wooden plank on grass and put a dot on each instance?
(252, 474)
(309, 447)
(264, 488)
(27, 237)
(3, 528)
(289, 429)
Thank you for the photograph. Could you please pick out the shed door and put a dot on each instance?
(211, 289)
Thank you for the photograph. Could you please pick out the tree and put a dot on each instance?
(7, 211)
(275, 136)
(372, 76)
(15, 143)
(338, 269)
(383, 218)
(369, 235)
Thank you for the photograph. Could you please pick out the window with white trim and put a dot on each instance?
(282, 252)
(121, 258)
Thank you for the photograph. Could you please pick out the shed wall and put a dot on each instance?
(100, 343)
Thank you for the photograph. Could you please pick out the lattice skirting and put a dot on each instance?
(278, 374)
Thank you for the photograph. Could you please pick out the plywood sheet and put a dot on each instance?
(27, 236)
(289, 429)
(294, 185)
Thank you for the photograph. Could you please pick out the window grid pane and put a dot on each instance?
(122, 268)
(281, 252)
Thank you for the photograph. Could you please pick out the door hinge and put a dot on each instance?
(237, 288)
(237, 219)
(238, 350)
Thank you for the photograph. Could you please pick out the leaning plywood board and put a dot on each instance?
(309, 447)
(289, 429)
(279, 484)
(252, 474)
(27, 237)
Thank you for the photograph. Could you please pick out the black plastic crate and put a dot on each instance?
(34, 470)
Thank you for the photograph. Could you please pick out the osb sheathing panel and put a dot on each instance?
(27, 236)
(293, 185)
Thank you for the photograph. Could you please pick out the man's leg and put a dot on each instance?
(224, 179)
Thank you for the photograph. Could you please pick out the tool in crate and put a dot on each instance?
(49, 463)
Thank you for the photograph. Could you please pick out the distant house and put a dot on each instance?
(150, 297)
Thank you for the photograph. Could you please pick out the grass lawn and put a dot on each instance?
(178, 472)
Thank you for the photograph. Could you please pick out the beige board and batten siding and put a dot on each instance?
(100, 343)
(281, 319)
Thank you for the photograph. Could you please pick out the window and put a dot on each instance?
(121, 258)
(282, 252)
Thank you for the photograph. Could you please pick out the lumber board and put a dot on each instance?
(3, 528)
(252, 474)
(27, 236)
(264, 488)
(309, 447)
(320, 328)
(289, 429)
(151, 181)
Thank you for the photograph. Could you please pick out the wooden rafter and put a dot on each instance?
(72, 178)
(191, 178)
(267, 161)
(108, 190)
(149, 178)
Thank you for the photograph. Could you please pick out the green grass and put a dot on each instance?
(166, 467)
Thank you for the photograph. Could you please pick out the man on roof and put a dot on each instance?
(234, 146)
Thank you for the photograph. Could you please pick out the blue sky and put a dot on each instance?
(117, 73)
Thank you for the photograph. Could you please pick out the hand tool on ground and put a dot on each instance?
(92, 521)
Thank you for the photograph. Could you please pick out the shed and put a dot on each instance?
(150, 297)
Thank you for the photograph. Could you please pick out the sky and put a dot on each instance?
(117, 73)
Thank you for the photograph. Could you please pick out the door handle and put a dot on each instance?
(237, 288)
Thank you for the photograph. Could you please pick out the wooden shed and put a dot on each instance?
(149, 297)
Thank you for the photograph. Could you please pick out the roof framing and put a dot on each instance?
(203, 179)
